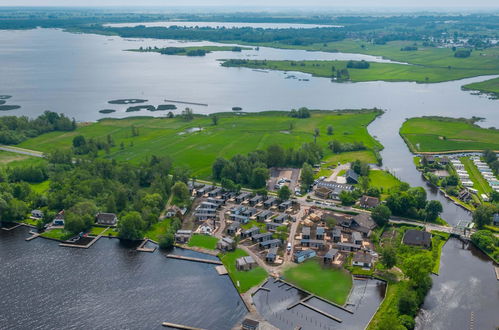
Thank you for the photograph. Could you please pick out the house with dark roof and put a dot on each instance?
(215, 192)
(37, 214)
(280, 218)
(356, 238)
(261, 237)
(416, 237)
(305, 232)
(264, 215)
(323, 192)
(59, 219)
(245, 263)
(331, 256)
(301, 256)
(352, 177)
(249, 324)
(429, 159)
(313, 243)
(106, 219)
(226, 244)
(233, 228)
(242, 197)
(495, 220)
(369, 202)
(208, 205)
(250, 232)
(320, 233)
(249, 211)
(255, 200)
(362, 223)
(270, 243)
(362, 259)
(239, 218)
(271, 255)
(351, 247)
(271, 201)
(285, 205)
(336, 188)
(272, 226)
(183, 236)
(218, 201)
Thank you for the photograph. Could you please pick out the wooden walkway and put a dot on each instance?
(33, 236)
(142, 248)
(497, 272)
(12, 228)
(179, 326)
(206, 261)
(332, 317)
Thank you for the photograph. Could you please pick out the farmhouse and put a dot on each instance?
(362, 259)
(107, 219)
(416, 237)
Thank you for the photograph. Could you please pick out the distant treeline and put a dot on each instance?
(14, 130)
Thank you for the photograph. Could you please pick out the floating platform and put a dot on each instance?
(221, 270)
(142, 247)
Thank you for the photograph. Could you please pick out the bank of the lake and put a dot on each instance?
(109, 285)
(490, 87)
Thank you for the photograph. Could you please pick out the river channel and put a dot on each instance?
(77, 74)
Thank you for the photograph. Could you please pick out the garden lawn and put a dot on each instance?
(383, 179)
(437, 134)
(58, 234)
(203, 241)
(241, 279)
(96, 230)
(157, 230)
(234, 134)
(366, 156)
(329, 283)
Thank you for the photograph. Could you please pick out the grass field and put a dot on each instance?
(479, 182)
(435, 134)
(157, 230)
(388, 306)
(58, 233)
(13, 159)
(438, 241)
(203, 241)
(383, 179)
(346, 157)
(41, 187)
(331, 284)
(96, 230)
(375, 72)
(490, 86)
(233, 134)
(208, 49)
(242, 280)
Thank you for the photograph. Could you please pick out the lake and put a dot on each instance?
(108, 286)
(77, 74)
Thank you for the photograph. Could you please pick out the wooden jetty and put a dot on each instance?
(84, 246)
(33, 236)
(179, 326)
(142, 248)
(184, 102)
(497, 272)
(221, 270)
(206, 261)
(12, 228)
(332, 317)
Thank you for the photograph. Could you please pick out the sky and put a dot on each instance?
(264, 3)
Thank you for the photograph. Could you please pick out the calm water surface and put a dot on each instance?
(109, 286)
(78, 74)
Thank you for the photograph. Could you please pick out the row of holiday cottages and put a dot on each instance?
(101, 218)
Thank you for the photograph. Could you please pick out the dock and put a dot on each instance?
(497, 272)
(142, 248)
(84, 246)
(184, 102)
(32, 237)
(12, 228)
(206, 261)
(321, 312)
(179, 326)
(221, 270)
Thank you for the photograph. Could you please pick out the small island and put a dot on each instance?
(107, 111)
(190, 51)
(127, 101)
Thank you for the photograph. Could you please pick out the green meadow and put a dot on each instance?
(243, 280)
(490, 86)
(203, 241)
(329, 283)
(437, 134)
(235, 133)
(375, 72)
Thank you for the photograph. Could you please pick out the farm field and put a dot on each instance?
(437, 134)
(234, 134)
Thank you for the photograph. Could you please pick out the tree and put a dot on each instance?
(79, 141)
(330, 130)
(229, 185)
(330, 222)
(316, 134)
(307, 176)
(388, 257)
(259, 177)
(390, 322)
(275, 156)
(284, 193)
(433, 209)
(417, 267)
(381, 214)
(217, 168)
(167, 240)
(131, 226)
(180, 193)
(483, 215)
(347, 198)
(407, 303)
(214, 120)
(364, 182)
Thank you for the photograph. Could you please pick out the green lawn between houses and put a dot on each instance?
(437, 134)
(383, 179)
(203, 241)
(234, 134)
(242, 280)
(58, 234)
(329, 283)
(157, 230)
(479, 182)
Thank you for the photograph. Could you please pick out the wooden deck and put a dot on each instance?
(179, 326)
(142, 248)
(206, 261)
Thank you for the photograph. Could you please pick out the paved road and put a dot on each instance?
(21, 151)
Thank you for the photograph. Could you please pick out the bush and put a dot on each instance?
(407, 321)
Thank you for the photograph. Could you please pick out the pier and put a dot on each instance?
(179, 326)
(84, 246)
(497, 272)
(206, 261)
(32, 237)
(142, 248)
(12, 228)
(189, 103)
(321, 312)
